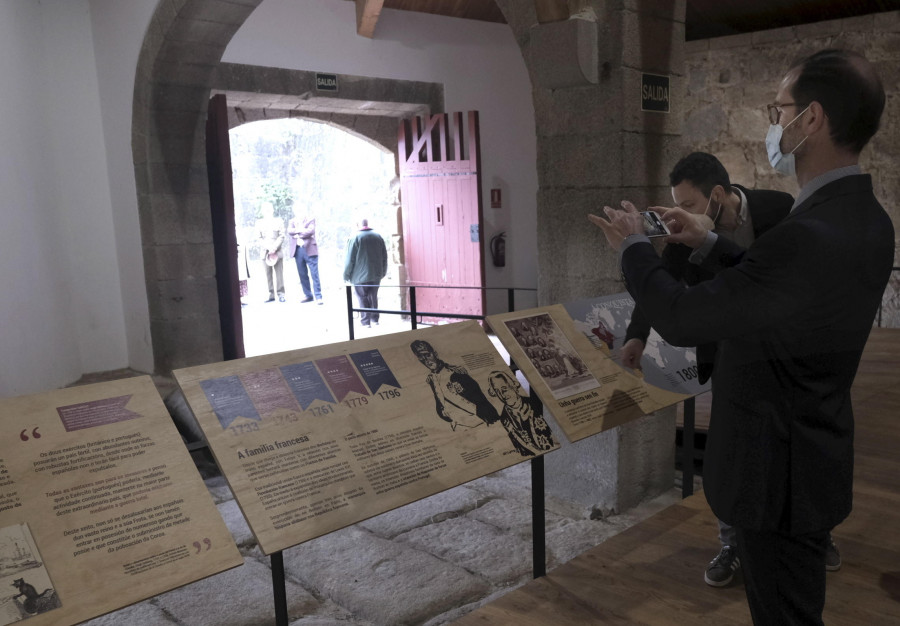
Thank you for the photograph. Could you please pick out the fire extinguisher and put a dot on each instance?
(498, 249)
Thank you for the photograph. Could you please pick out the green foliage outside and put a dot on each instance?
(281, 197)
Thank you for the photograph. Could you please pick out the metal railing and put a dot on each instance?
(413, 312)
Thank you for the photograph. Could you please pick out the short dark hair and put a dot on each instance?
(702, 170)
(849, 90)
(420, 345)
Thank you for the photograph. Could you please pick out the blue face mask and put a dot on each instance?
(783, 163)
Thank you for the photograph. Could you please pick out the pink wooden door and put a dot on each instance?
(440, 187)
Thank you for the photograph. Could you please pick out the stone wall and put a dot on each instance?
(595, 147)
(729, 80)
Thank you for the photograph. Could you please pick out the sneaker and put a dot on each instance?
(721, 570)
(319, 301)
(281, 298)
(306, 299)
(832, 557)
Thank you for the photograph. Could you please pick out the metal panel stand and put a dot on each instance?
(279, 590)
(538, 525)
(687, 450)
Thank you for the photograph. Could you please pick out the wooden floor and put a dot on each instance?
(653, 572)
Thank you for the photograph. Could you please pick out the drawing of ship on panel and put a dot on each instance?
(25, 587)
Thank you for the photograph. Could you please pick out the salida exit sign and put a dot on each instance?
(654, 93)
(326, 82)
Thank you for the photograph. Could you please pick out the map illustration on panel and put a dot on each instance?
(604, 322)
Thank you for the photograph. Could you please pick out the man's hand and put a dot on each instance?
(631, 353)
(686, 228)
(619, 224)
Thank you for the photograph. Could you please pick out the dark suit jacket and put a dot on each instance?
(791, 315)
(766, 209)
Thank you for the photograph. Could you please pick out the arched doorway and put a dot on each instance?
(178, 70)
(308, 168)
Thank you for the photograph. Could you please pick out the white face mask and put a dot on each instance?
(783, 163)
(718, 211)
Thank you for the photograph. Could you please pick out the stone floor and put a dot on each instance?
(428, 563)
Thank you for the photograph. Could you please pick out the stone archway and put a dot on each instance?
(178, 70)
(595, 146)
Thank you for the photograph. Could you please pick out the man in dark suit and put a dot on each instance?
(791, 315)
(701, 185)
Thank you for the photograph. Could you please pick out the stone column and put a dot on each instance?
(595, 147)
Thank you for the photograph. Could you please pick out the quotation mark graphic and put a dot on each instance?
(199, 547)
(34, 433)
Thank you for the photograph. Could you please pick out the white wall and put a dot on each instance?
(72, 292)
(119, 27)
(60, 312)
(480, 66)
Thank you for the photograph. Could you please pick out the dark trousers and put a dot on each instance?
(784, 576)
(368, 299)
(305, 261)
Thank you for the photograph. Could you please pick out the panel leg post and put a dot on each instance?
(538, 524)
(687, 450)
(510, 299)
(278, 589)
(412, 308)
(350, 310)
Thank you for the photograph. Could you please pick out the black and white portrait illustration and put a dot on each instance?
(458, 398)
(521, 416)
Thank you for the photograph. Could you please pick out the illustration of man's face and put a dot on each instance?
(427, 356)
(503, 390)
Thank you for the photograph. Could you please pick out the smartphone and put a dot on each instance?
(653, 224)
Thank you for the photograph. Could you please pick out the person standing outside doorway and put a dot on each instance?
(364, 267)
(270, 230)
(305, 252)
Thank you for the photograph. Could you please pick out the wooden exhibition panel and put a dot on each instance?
(101, 505)
(578, 382)
(604, 321)
(316, 439)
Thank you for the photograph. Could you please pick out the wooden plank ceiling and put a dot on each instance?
(703, 19)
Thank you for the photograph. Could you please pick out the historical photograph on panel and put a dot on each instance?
(24, 581)
(605, 321)
(552, 355)
(567, 364)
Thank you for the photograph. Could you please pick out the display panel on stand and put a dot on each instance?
(316, 439)
(101, 505)
(571, 364)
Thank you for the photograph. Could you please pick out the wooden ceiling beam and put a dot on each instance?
(367, 12)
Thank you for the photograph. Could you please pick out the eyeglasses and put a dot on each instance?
(775, 111)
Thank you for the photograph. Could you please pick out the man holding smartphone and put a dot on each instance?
(791, 315)
(701, 185)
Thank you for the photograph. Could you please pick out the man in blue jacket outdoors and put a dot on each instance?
(364, 267)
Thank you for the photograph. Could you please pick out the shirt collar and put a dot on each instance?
(823, 179)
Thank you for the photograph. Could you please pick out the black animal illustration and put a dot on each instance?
(34, 602)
